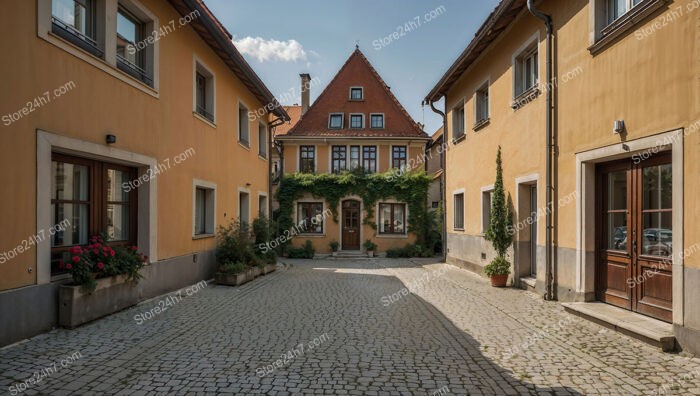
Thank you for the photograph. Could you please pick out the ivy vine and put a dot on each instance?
(409, 187)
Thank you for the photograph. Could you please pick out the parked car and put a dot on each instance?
(658, 242)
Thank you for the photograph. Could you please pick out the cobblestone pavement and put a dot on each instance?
(345, 327)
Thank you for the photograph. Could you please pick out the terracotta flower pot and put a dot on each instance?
(499, 280)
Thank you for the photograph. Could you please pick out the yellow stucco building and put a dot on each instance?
(618, 152)
(132, 117)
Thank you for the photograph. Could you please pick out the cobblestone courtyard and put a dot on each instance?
(359, 334)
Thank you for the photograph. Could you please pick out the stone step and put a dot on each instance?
(644, 328)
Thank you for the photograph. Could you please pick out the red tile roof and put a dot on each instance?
(295, 114)
(357, 72)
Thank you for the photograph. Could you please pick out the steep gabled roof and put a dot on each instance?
(294, 115)
(218, 38)
(356, 72)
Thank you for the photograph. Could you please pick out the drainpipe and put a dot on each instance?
(443, 179)
(277, 122)
(547, 19)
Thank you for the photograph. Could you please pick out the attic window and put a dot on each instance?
(335, 121)
(356, 93)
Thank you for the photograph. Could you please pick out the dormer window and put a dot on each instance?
(356, 93)
(357, 121)
(335, 121)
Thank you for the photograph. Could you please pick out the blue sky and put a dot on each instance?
(281, 39)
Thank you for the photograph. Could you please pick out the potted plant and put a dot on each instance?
(497, 233)
(104, 281)
(370, 247)
(334, 247)
(498, 270)
(232, 274)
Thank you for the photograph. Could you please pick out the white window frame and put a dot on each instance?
(383, 120)
(529, 49)
(362, 115)
(262, 154)
(245, 121)
(377, 215)
(454, 211)
(210, 221)
(362, 92)
(609, 8)
(459, 106)
(486, 212)
(206, 71)
(299, 156)
(485, 86)
(342, 120)
(246, 191)
(106, 21)
(262, 196)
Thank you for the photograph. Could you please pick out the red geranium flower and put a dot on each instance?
(68, 266)
(76, 259)
(100, 265)
(112, 253)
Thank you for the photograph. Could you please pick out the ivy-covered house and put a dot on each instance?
(354, 166)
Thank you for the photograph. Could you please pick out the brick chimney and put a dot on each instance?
(305, 88)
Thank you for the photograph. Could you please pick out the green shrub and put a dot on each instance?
(369, 245)
(499, 266)
(233, 268)
(334, 246)
(263, 232)
(307, 251)
(234, 244)
(409, 251)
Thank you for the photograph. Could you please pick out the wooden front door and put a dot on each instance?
(634, 244)
(351, 225)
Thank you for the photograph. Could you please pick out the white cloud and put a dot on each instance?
(271, 50)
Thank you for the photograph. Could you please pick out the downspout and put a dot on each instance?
(275, 123)
(547, 19)
(443, 179)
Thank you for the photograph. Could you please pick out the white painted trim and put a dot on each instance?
(238, 124)
(342, 121)
(464, 209)
(198, 61)
(405, 222)
(238, 205)
(585, 208)
(350, 120)
(295, 216)
(485, 83)
(209, 186)
(263, 194)
(350, 94)
(534, 39)
(383, 121)
(484, 189)
(47, 143)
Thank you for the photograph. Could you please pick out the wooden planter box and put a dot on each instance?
(231, 279)
(256, 272)
(111, 295)
(269, 268)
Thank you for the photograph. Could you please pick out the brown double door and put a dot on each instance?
(634, 243)
(351, 225)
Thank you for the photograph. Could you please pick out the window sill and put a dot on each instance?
(203, 236)
(459, 138)
(311, 235)
(262, 157)
(481, 124)
(392, 236)
(624, 24)
(458, 229)
(204, 119)
(524, 98)
(244, 145)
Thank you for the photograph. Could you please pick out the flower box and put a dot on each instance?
(269, 268)
(231, 279)
(77, 306)
(256, 272)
